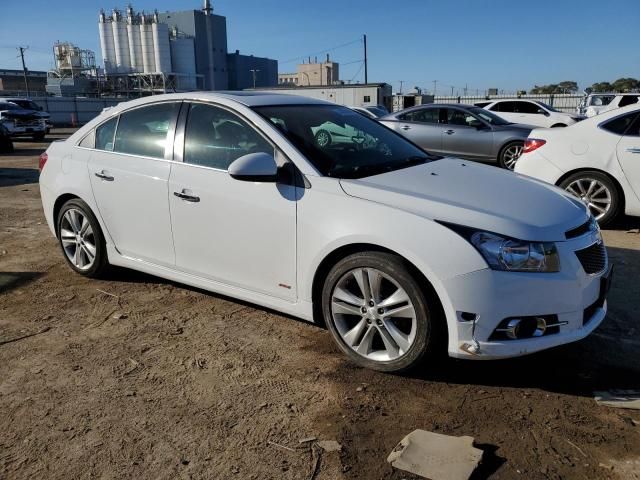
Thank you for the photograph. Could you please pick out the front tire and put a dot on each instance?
(598, 192)
(81, 239)
(377, 313)
(509, 155)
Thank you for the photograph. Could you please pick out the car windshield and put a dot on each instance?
(548, 107)
(342, 143)
(488, 116)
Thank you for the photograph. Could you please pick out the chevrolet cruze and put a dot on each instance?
(400, 253)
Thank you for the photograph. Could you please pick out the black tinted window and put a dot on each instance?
(144, 131)
(462, 118)
(627, 100)
(215, 137)
(620, 125)
(426, 115)
(104, 135)
(508, 107)
(527, 107)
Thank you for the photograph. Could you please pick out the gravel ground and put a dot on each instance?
(135, 376)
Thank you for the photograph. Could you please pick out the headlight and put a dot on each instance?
(503, 253)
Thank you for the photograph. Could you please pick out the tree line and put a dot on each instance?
(621, 85)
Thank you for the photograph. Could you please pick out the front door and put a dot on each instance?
(423, 127)
(466, 136)
(235, 232)
(129, 178)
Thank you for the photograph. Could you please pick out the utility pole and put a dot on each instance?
(366, 66)
(24, 69)
(401, 82)
(254, 72)
(435, 86)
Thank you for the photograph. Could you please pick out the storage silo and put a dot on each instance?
(121, 43)
(135, 45)
(183, 60)
(161, 47)
(106, 43)
(146, 43)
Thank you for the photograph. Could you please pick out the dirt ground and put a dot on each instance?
(134, 376)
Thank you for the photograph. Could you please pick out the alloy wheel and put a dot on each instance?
(78, 239)
(511, 156)
(323, 139)
(593, 193)
(373, 314)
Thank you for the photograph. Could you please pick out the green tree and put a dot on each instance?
(601, 87)
(568, 86)
(625, 84)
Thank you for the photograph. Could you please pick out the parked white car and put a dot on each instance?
(597, 103)
(398, 252)
(531, 112)
(597, 160)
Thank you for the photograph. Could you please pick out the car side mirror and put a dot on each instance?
(254, 167)
(543, 112)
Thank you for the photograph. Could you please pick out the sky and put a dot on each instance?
(478, 44)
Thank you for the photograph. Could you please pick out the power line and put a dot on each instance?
(320, 52)
(358, 72)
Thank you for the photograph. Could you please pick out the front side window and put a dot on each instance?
(461, 118)
(215, 137)
(620, 125)
(342, 143)
(144, 131)
(104, 135)
(527, 107)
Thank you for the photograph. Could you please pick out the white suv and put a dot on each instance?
(531, 112)
(597, 103)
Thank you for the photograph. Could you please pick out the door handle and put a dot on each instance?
(104, 176)
(405, 127)
(633, 150)
(186, 197)
(449, 132)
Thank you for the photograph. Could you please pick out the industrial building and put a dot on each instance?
(174, 51)
(13, 81)
(75, 73)
(247, 71)
(312, 74)
(358, 95)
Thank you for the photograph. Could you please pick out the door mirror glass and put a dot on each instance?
(254, 167)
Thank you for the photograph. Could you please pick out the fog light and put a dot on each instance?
(528, 327)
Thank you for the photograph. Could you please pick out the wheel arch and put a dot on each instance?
(60, 201)
(602, 172)
(349, 249)
(558, 125)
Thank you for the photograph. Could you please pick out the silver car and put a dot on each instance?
(464, 131)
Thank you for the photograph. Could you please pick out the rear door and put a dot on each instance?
(423, 127)
(129, 171)
(466, 136)
(628, 151)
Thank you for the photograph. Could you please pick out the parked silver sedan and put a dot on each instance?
(464, 131)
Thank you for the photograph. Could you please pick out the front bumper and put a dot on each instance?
(576, 298)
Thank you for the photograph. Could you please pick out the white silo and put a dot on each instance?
(161, 47)
(121, 43)
(146, 43)
(135, 45)
(106, 43)
(183, 60)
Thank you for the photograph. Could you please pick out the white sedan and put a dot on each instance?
(530, 112)
(597, 160)
(399, 253)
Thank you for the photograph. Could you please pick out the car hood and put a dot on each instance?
(24, 114)
(478, 196)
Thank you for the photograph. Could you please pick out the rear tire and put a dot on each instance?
(598, 192)
(509, 155)
(390, 328)
(81, 239)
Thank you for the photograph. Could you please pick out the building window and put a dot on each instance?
(367, 98)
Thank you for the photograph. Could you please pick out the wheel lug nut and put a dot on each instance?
(363, 309)
(379, 322)
(381, 311)
(371, 304)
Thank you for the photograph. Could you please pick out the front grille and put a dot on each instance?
(27, 123)
(578, 231)
(593, 258)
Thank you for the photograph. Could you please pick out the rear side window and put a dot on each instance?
(215, 137)
(104, 135)
(144, 131)
(620, 125)
(527, 107)
(426, 115)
